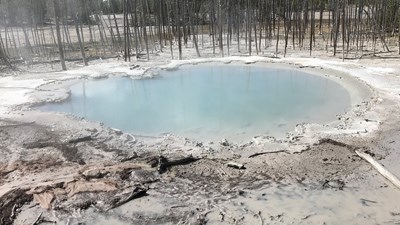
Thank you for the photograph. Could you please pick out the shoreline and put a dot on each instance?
(363, 96)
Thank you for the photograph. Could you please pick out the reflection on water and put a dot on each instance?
(209, 102)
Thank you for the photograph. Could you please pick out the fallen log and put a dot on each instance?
(182, 161)
(163, 163)
(266, 153)
(382, 170)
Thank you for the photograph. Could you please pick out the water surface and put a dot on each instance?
(209, 102)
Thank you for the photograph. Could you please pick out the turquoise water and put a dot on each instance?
(209, 102)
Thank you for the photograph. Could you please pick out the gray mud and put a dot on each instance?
(81, 173)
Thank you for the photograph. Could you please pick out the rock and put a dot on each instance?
(236, 165)
(335, 184)
(208, 149)
(224, 142)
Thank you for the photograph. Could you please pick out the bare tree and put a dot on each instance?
(60, 44)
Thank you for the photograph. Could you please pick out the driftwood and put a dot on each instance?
(236, 165)
(382, 170)
(138, 192)
(266, 153)
(164, 163)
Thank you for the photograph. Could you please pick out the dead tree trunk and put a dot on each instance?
(80, 42)
(60, 45)
(178, 5)
(145, 29)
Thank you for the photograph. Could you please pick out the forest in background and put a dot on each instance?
(43, 31)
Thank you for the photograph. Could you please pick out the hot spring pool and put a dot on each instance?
(209, 102)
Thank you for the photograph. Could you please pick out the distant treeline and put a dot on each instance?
(52, 30)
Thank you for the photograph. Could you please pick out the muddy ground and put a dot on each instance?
(82, 173)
